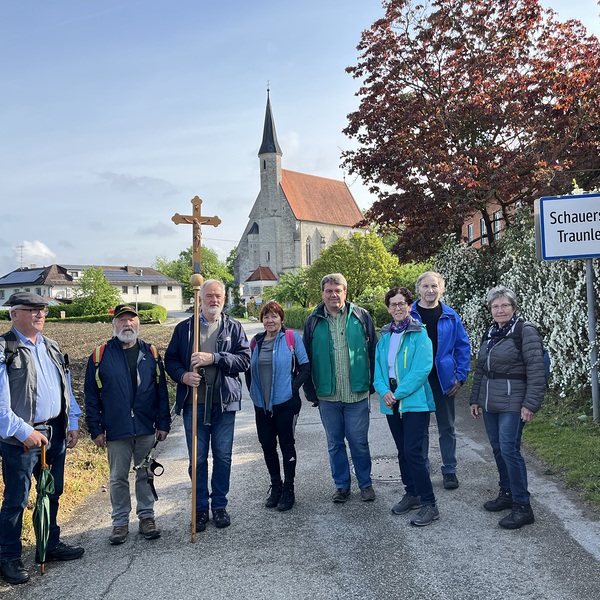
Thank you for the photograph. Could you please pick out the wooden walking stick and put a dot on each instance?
(196, 281)
(196, 220)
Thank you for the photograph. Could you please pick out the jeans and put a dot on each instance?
(408, 430)
(219, 436)
(120, 453)
(17, 468)
(445, 414)
(278, 425)
(349, 420)
(504, 432)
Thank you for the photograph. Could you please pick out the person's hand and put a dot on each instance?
(100, 441)
(475, 411)
(161, 435)
(36, 440)
(526, 414)
(457, 385)
(191, 379)
(202, 359)
(72, 438)
(389, 399)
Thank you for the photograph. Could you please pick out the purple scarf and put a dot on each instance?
(400, 327)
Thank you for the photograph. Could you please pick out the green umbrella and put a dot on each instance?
(41, 512)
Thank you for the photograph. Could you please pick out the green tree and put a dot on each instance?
(181, 268)
(95, 295)
(361, 259)
(292, 287)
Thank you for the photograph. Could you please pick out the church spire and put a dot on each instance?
(269, 144)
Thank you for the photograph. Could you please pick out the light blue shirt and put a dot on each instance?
(48, 403)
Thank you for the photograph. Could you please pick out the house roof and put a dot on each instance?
(319, 199)
(58, 275)
(262, 274)
(52, 275)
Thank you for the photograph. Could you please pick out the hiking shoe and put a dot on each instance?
(201, 520)
(149, 529)
(118, 535)
(221, 518)
(62, 552)
(450, 481)
(274, 495)
(287, 498)
(425, 516)
(14, 572)
(407, 504)
(341, 495)
(502, 502)
(367, 494)
(520, 515)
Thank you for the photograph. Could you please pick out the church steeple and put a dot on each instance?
(269, 144)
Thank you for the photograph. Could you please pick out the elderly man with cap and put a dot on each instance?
(37, 408)
(127, 410)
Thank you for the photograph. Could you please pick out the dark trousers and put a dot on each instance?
(408, 431)
(275, 426)
(17, 468)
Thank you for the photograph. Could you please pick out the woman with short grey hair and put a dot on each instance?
(508, 389)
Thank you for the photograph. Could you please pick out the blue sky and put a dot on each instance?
(115, 113)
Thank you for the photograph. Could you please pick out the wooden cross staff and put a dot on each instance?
(196, 220)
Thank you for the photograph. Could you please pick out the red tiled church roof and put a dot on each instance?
(318, 199)
(262, 274)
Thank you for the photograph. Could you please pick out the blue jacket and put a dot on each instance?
(284, 386)
(413, 364)
(113, 409)
(453, 356)
(234, 351)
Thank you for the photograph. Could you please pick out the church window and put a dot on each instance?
(253, 229)
(264, 165)
(268, 256)
(308, 253)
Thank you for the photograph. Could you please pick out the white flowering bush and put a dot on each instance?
(550, 293)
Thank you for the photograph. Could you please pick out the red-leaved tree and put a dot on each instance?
(466, 103)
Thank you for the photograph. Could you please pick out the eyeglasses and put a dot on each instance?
(501, 306)
(34, 311)
(394, 305)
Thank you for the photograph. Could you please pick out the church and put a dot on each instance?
(294, 218)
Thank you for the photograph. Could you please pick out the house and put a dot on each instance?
(474, 230)
(294, 218)
(58, 282)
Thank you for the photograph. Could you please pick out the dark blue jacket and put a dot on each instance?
(113, 409)
(234, 351)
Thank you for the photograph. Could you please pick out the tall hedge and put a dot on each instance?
(550, 293)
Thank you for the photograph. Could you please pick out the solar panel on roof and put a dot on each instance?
(19, 277)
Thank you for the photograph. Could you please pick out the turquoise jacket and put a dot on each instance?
(413, 364)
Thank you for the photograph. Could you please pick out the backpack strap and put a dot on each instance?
(10, 347)
(97, 355)
(290, 339)
(253, 344)
(156, 355)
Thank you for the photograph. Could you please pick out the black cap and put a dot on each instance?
(124, 308)
(26, 299)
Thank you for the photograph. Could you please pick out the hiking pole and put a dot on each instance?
(196, 281)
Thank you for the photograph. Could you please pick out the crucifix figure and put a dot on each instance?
(196, 220)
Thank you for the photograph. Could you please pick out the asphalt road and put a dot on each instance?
(321, 550)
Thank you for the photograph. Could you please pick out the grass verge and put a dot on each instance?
(564, 435)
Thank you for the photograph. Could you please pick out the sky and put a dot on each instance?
(114, 114)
